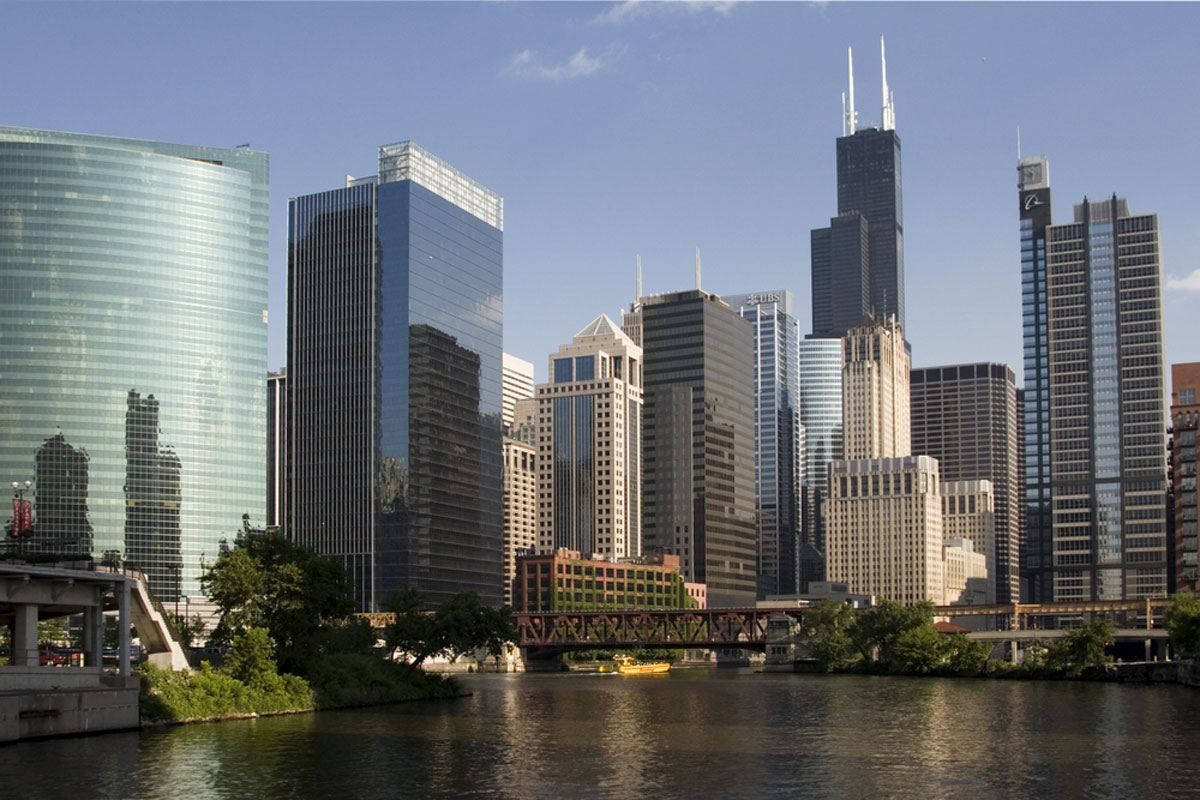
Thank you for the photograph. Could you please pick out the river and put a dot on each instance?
(694, 733)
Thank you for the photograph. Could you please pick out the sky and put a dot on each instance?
(618, 129)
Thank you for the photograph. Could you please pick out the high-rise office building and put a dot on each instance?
(1107, 432)
(821, 418)
(698, 434)
(875, 393)
(589, 445)
(1037, 543)
(1185, 421)
(134, 341)
(969, 513)
(517, 384)
(524, 424)
(394, 379)
(965, 581)
(520, 507)
(858, 261)
(276, 447)
(965, 416)
(779, 436)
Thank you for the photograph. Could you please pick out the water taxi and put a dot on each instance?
(627, 666)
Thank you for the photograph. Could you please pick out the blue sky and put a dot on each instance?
(614, 129)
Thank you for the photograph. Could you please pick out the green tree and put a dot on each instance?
(252, 658)
(1183, 623)
(876, 629)
(1082, 649)
(825, 628)
(187, 630)
(53, 632)
(459, 626)
(918, 650)
(269, 582)
(966, 656)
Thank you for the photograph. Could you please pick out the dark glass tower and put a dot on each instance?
(394, 373)
(698, 493)
(858, 261)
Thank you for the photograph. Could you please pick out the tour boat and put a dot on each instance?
(627, 666)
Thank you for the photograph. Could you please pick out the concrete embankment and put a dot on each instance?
(36, 714)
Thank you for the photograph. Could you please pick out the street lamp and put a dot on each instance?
(22, 521)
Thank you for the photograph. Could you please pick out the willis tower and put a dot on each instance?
(858, 261)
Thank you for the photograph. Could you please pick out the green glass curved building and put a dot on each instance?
(133, 335)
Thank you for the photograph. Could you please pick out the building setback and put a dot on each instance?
(1185, 421)
(134, 343)
(698, 440)
(779, 436)
(589, 445)
(394, 371)
(965, 416)
(1108, 432)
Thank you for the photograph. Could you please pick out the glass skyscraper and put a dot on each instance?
(821, 418)
(394, 373)
(133, 336)
(779, 435)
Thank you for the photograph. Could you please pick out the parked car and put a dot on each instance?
(50, 658)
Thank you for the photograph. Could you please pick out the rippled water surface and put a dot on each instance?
(694, 733)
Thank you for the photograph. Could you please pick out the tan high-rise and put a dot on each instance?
(875, 394)
(969, 512)
(520, 506)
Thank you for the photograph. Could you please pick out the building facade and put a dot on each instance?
(516, 384)
(276, 447)
(965, 416)
(589, 445)
(779, 436)
(698, 492)
(524, 423)
(133, 338)
(520, 507)
(966, 577)
(969, 514)
(884, 524)
(1185, 421)
(1108, 431)
(1037, 524)
(875, 391)
(821, 418)
(394, 372)
(565, 581)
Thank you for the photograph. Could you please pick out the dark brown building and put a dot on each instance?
(1185, 419)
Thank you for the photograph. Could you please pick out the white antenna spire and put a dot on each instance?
(843, 113)
(697, 267)
(1018, 143)
(638, 296)
(889, 114)
(851, 117)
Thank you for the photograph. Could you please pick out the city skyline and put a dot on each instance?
(588, 75)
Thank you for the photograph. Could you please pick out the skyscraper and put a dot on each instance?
(517, 382)
(858, 261)
(965, 416)
(589, 445)
(698, 440)
(276, 446)
(1037, 546)
(394, 372)
(520, 507)
(779, 436)
(1185, 421)
(875, 391)
(134, 269)
(821, 418)
(1107, 432)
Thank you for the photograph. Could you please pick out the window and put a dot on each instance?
(585, 368)
(562, 370)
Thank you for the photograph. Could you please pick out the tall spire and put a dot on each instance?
(850, 122)
(697, 267)
(638, 285)
(889, 106)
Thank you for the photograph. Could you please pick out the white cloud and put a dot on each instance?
(527, 64)
(629, 10)
(1190, 283)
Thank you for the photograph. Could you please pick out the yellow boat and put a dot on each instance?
(627, 666)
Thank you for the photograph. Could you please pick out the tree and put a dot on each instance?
(876, 629)
(1082, 649)
(53, 632)
(919, 650)
(966, 656)
(1183, 623)
(825, 627)
(269, 582)
(252, 658)
(186, 630)
(459, 626)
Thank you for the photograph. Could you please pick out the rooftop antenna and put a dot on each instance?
(889, 111)
(851, 116)
(843, 113)
(638, 289)
(1018, 144)
(697, 267)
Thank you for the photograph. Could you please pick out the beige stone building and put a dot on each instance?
(520, 506)
(884, 528)
(969, 512)
(875, 391)
(965, 573)
(589, 426)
